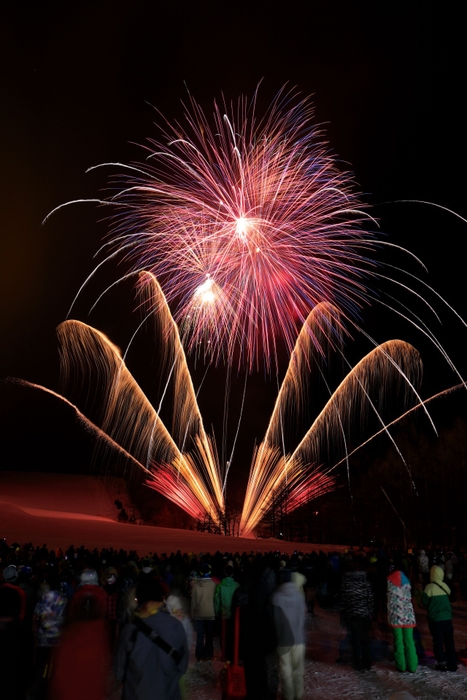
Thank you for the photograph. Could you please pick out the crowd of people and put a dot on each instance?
(70, 621)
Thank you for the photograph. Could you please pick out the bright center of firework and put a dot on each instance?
(241, 228)
(245, 230)
(205, 292)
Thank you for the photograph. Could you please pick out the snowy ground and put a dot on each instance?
(66, 509)
(327, 680)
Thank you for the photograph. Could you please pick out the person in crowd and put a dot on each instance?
(12, 615)
(439, 614)
(300, 582)
(401, 618)
(152, 654)
(357, 608)
(26, 583)
(423, 566)
(88, 593)
(223, 609)
(128, 602)
(450, 562)
(203, 613)
(109, 581)
(48, 619)
(258, 642)
(178, 606)
(289, 612)
(224, 593)
(81, 661)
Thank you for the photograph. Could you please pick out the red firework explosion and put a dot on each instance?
(247, 224)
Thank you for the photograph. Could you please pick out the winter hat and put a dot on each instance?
(298, 579)
(89, 578)
(10, 573)
(109, 576)
(204, 570)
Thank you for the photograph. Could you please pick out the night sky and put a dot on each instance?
(79, 84)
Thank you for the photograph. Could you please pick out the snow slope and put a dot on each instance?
(31, 503)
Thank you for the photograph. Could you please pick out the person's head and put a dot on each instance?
(149, 588)
(10, 573)
(52, 582)
(436, 574)
(400, 564)
(205, 570)
(109, 576)
(89, 578)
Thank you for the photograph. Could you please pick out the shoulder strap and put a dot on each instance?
(157, 639)
(442, 588)
(128, 653)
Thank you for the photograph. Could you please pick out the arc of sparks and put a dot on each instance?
(186, 461)
(392, 368)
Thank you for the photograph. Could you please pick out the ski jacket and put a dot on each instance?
(289, 612)
(202, 599)
(223, 597)
(356, 595)
(400, 608)
(436, 597)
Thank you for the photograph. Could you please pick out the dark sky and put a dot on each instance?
(77, 82)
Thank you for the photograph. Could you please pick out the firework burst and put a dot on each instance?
(245, 235)
(247, 224)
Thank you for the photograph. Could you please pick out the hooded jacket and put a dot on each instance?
(436, 597)
(224, 595)
(289, 612)
(202, 599)
(400, 608)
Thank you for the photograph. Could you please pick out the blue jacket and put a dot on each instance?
(289, 610)
(147, 671)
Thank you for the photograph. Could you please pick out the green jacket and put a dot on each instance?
(223, 596)
(436, 597)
